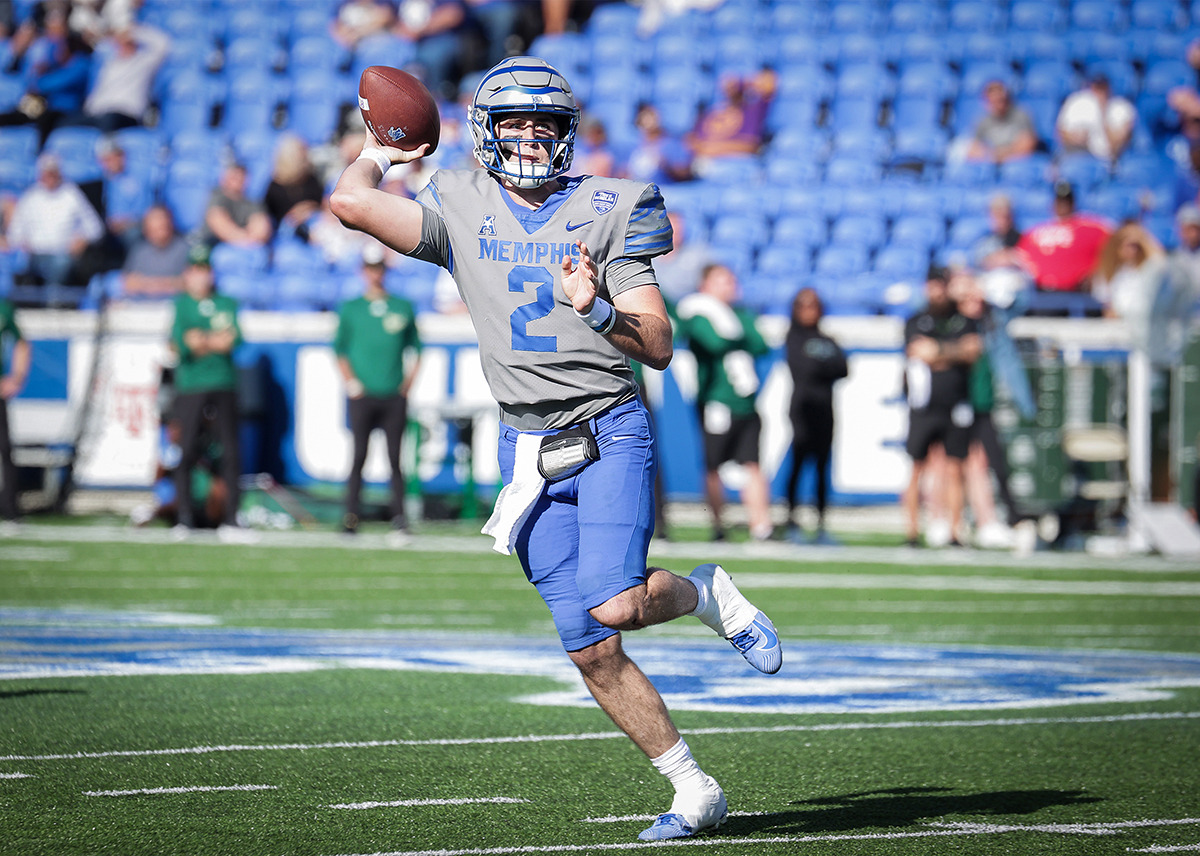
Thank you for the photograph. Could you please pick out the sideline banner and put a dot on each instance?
(294, 419)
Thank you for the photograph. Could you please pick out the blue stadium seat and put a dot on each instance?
(967, 230)
(315, 105)
(1048, 78)
(851, 170)
(930, 79)
(1158, 15)
(1146, 169)
(302, 292)
(796, 47)
(841, 261)
(793, 112)
(853, 113)
(1030, 171)
(784, 260)
(186, 191)
(253, 20)
(809, 80)
(870, 144)
(317, 52)
(740, 228)
(616, 21)
(858, 230)
(870, 79)
(919, 145)
(901, 262)
(12, 88)
(976, 73)
(231, 259)
(1122, 76)
(309, 19)
(188, 102)
(856, 199)
(799, 230)
(75, 147)
(1038, 46)
(922, 231)
(1082, 170)
(252, 100)
(255, 147)
(799, 17)
(902, 48)
(853, 17)
(1115, 201)
(16, 175)
(741, 53)
(909, 16)
(1163, 75)
(1099, 15)
(386, 49)
(850, 47)
(18, 143)
(977, 16)
(1037, 15)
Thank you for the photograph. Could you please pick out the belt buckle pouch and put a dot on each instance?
(567, 452)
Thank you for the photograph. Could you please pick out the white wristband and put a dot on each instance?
(602, 317)
(377, 157)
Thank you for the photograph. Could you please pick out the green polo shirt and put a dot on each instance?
(211, 371)
(8, 326)
(375, 336)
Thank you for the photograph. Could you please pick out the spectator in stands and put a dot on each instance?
(294, 193)
(593, 154)
(940, 345)
(129, 60)
(657, 156)
(1187, 177)
(155, 264)
(204, 335)
(998, 248)
(378, 351)
(1005, 132)
(1185, 258)
(357, 19)
(1131, 272)
(54, 223)
(1094, 120)
(11, 383)
(725, 343)
(341, 247)
(231, 216)
(816, 362)
(1061, 253)
(498, 21)
(55, 65)
(679, 271)
(736, 124)
(436, 28)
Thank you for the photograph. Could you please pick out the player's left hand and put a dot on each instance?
(580, 281)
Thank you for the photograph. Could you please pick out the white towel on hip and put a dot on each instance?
(517, 498)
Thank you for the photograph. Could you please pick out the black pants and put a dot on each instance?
(8, 470)
(812, 439)
(984, 430)
(366, 414)
(194, 410)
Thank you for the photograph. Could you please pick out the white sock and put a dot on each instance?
(678, 765)
(702, 596)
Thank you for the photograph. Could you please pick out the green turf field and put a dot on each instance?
(321, 697)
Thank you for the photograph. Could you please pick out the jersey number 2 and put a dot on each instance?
(543, 303)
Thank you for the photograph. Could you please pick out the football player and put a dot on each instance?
(556, 273)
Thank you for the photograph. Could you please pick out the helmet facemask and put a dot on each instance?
(524, 85)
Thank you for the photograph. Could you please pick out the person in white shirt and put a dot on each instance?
(53, 222)
(1096, 121)
(120, 94)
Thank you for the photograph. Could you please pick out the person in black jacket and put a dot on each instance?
(816, 362)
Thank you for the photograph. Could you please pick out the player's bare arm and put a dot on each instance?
(359, 203)
(641, 331)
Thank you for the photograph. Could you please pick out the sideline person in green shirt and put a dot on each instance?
(378, 350)
(10, 385)
(204, 335)
(725, 343)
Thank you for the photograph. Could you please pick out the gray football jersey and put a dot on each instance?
(545, 367)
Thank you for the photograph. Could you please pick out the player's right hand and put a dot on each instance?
(394, 154)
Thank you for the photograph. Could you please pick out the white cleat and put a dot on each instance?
(691, 812)
(734, 618)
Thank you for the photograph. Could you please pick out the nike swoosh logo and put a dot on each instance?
(770, 637)
(571, 227)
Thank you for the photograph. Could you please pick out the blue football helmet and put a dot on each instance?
(523, 84)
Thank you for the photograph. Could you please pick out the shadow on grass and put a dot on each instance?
(28, 693)
(901, 807)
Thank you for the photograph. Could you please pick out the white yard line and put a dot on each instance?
(608, 735)
(408, 803)
(15, 776)
(195, 790)
(745, 844)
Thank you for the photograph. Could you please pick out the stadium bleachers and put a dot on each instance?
(871, 96)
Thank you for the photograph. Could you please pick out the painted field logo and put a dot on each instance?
(816, 677)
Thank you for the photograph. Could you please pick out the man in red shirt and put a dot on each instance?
(1062, 253)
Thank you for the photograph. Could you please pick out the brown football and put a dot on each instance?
(398, 108)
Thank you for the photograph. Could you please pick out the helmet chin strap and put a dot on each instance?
(520, 173)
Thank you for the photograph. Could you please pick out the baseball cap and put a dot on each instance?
(1188, 215)
(199, 256)
(372, 254)
(1063, 189)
